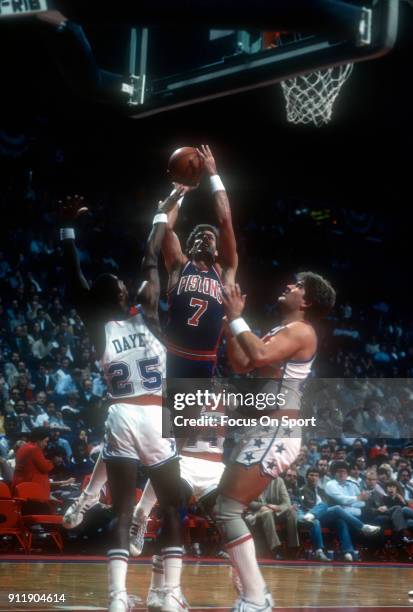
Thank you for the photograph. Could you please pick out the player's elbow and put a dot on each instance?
(260, 359)
(240, 368)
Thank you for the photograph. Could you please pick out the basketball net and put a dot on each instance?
(310, 98)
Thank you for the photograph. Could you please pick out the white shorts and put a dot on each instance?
(135, 432)
(274, 449)
(202, 476)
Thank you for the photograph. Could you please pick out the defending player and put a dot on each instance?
(201, 474)
(262, 453)
(133, 360)
(195, 282)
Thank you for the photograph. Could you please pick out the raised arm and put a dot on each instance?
(149, 291)
(228, 257)
(172, 252)
(70, 210)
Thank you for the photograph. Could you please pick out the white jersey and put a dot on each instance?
(290, 375)
(134, 361)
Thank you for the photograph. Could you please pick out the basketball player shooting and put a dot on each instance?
(196, 278)
(133, 360)
(286, 353)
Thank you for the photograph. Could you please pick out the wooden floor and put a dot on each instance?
(208, 585)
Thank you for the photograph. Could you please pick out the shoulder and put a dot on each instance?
(301, 329)
(303, 333)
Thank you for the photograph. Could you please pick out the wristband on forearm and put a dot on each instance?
(238, 326)
(67, 233)
(160, 218)
(216, 183)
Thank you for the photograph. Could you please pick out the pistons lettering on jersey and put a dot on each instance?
(126, 343)
(194, 283)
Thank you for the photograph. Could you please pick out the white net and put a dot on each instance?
(310, 98)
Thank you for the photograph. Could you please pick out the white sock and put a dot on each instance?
(117, 570)
(172, 566)
(98, 479)
(244, 558)
(157, 576)
(147, 501)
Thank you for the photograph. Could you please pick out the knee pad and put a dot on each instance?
(228, 516)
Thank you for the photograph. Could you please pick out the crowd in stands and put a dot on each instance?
(49, 377)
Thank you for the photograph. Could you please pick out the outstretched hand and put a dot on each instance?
(234, 301)
(71, 208)
(178, 192)
(209, 162)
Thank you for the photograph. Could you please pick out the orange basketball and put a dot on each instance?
(186, 166)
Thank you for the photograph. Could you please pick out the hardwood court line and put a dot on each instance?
(195, 561)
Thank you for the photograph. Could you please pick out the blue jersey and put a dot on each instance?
(195, 317)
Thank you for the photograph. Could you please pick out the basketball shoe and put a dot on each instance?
(174, 601)
(242, 605)
(75, 513)
(118, 602)
(155, 599)
(137, 533)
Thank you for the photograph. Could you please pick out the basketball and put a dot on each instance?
(186, 166)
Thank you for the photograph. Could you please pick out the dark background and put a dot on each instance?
(357, 168)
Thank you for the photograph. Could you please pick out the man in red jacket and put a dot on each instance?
(31, 464)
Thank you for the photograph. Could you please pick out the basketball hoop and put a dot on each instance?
(310, 98)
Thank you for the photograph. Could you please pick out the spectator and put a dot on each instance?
(344, 492)
(274, 507)
(404, 476)
(31, 464)
(383, 476)
(322, 466)
(64, 381)
(313, 503)
(58, 443)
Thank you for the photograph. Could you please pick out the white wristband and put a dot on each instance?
(160, 218)
(216, 183)
(238, 326)
(67, 233)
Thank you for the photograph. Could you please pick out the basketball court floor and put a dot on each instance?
(206, 583)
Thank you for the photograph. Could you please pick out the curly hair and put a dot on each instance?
(319, 293)
(104, 290)
(200, 228)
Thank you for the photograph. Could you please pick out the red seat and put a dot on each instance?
(11, 522)
(30, 493)
(5, 492)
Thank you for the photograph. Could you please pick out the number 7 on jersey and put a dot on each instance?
(201, 306)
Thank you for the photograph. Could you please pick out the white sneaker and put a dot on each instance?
(241, 605)
(411, 594)
(155, 599)
(321, 556)
(309, 517)
(269, 598)
(348, 557)
(137, 533)
(118, 602)
(75, 513)
(370, 529)
(174, 601)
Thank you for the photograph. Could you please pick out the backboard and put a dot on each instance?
(231, 61)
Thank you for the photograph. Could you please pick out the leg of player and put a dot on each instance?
(122, 474)
(167, 486)
(90, 496)
(239, 486)
(140, 519)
